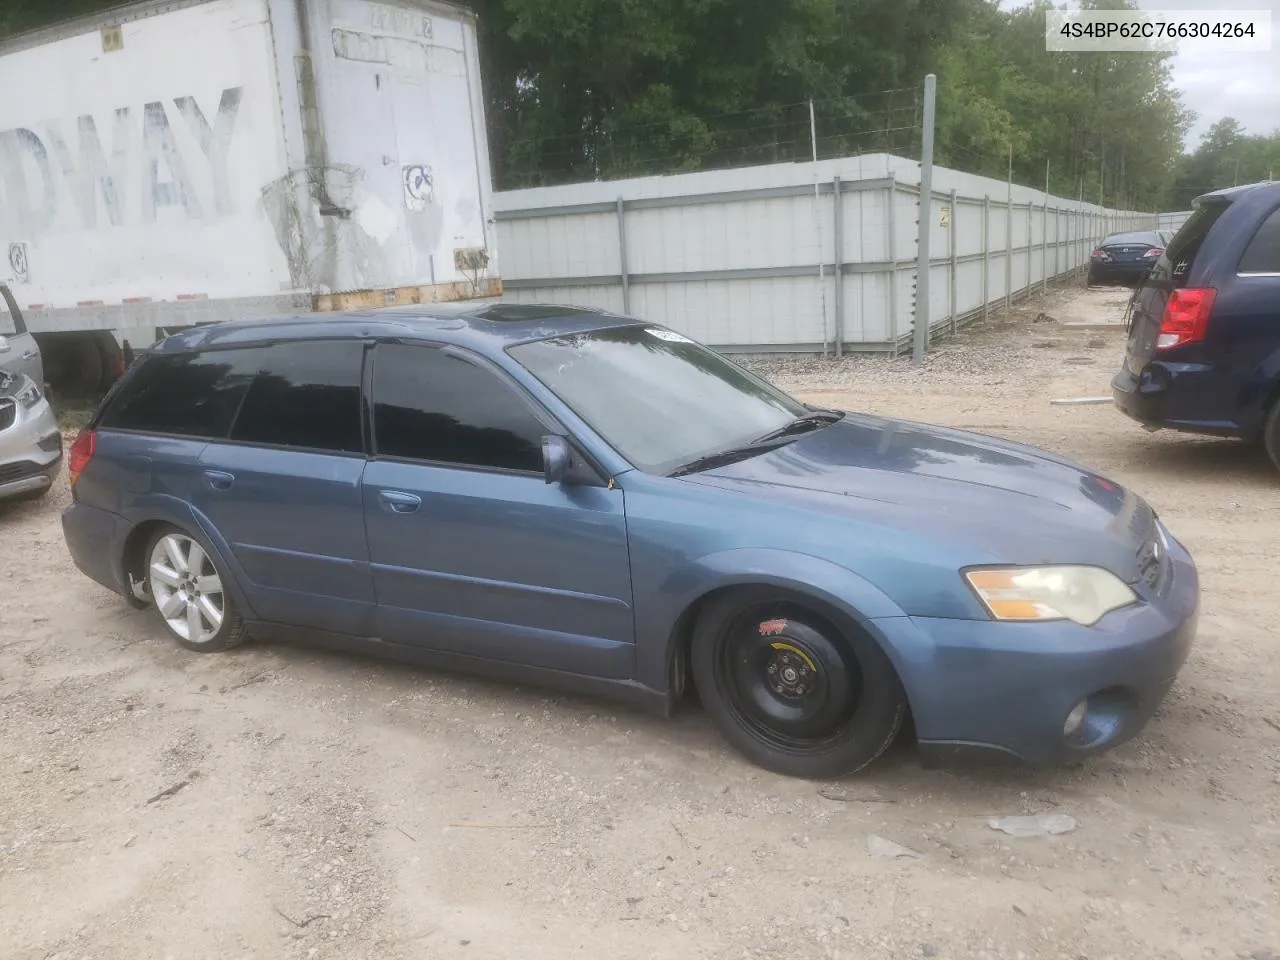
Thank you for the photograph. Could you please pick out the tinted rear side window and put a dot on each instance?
(428, 405)
(1263, 253)
(304, 394)
(1185, 246)
(187, 395)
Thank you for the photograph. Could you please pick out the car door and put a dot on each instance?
(473, 552)
(19, 352)
(284, 488)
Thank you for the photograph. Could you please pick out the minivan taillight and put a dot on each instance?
(1186, 317)
(81, 453)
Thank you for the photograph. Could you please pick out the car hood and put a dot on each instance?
(1007, 501)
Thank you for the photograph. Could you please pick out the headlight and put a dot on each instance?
(29, 394)
(1082, 594)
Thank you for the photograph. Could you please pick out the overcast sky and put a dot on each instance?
(1228, 83)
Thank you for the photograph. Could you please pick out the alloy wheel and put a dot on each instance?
(186, 588)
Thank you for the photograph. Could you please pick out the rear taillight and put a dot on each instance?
(81, 453)
(1153, 252)
(1186, 317)
(1100, 254)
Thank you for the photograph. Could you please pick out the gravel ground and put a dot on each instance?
(283, 802)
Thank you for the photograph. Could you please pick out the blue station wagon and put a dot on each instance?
(600, 504)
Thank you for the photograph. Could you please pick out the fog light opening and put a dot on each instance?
(1075, 719)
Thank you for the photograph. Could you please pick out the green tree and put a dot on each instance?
(19, 15)
(1225, 157)
(601, 88)
(1108, 126)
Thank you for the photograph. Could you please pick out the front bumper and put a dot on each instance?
(981, 690)
(30, 451)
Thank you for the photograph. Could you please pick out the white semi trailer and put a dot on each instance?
(166, 164)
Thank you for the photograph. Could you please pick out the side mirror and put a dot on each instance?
(557, 458)
(5, 346)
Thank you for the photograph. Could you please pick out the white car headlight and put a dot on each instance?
(29, 394)
(1082, 594)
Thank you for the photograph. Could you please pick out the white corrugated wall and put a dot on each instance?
(747, 259)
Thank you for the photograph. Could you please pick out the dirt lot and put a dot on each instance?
(337, 807)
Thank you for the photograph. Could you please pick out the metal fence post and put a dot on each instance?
(951, 256)
(1057, 241)
(924, 221)
(986, 256)
(1030, 214)
(1044, 247)
(892, 247)
(622, 257)
(838, 273)
(1008, 253)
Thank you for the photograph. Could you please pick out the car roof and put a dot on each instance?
(485, 326)
(1136, 236)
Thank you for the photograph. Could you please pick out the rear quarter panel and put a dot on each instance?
(142, 479)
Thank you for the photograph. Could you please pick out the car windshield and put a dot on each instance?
(657, 397)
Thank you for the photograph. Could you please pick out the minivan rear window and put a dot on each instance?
(1185, 246)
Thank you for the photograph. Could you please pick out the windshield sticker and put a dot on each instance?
(668, 335)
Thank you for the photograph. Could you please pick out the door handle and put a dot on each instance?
(396, 502)
(30, 355)
(219, 480)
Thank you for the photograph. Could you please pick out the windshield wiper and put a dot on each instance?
(812, 421)
(721, 458)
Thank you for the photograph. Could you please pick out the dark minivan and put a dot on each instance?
(1204, 335)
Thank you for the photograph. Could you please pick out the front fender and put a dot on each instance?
(838, 587)
(172, 510)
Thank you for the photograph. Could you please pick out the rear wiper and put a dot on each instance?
(812, 421)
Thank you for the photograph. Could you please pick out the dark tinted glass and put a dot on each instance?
(1148, 237)
(428, 405)
(190, 395)
(305, 394)
(1185, 245)
(1263, 253)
